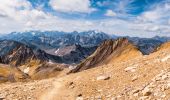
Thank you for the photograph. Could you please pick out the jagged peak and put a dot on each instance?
(107, 51)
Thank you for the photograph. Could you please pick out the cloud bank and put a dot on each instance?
(81, 15)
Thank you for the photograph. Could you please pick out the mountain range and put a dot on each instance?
(27, 50)
(50, 40)
(82, 64)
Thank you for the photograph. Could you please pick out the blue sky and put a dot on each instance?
(144, 18)
(129, 7)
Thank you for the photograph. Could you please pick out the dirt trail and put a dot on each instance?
(54, 90)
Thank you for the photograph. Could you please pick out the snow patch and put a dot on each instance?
(56, 52)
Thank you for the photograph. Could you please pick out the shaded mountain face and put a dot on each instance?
(16, 54)
(147, 45)
(50, 40)
(73, 53)
(76, 45)
(109, 51)
(22, 59)
(54, 39)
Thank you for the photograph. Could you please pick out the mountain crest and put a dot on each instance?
(109, 51)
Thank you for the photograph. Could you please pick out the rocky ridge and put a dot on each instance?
(109, 51)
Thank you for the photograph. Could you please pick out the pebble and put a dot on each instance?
(134, 78)
(79, 98)
(131, 69)
(146, 92)
(143, 98)
(103, 77)
(98, 97)
(164, 77)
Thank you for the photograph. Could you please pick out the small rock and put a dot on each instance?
(164, 77)
(71, 85)
(29, 97)
(79, 95)
(108, 96)
(143, 98)
(163, 96)
(164, 87)
(146, 92)
(135, 91)
(168, 86)
(31, 88)
(136, 94)
(103, 77)
(79, 98)
(134, 78)
(119, 96)
(2, 98)
(114, 98)
(131, 69)
(98, 97)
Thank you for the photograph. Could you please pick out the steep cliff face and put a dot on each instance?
(108, 52)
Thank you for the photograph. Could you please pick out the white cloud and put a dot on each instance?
(150, 16)
(155, 20)
(70, 6)
(110, 13)
(19, 15)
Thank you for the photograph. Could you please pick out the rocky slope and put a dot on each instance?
(143, 78)
(35, 63)
(16, 54)
(109, 51)
(11, 74)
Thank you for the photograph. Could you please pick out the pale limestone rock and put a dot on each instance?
(134, 78)
(130, 69)
(79, 98)
(146, 92)
(103, 77)
(164, 77)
